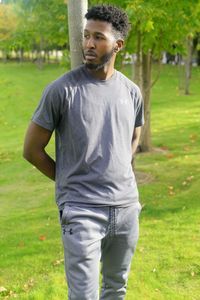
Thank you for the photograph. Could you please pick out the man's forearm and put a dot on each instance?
(43, 162)
(134, 146)
(135, 140)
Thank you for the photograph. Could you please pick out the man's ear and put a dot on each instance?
(119, 45)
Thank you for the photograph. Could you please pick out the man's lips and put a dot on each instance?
(90, 55)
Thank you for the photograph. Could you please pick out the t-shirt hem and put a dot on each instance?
(116, 203)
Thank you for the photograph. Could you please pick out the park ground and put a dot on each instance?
(166, 265)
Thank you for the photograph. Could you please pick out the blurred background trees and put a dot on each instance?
(39, 27)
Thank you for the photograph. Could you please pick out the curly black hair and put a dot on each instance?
(111, 14)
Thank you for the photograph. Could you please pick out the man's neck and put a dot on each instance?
(102, 74)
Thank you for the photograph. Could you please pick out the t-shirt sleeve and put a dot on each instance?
(139, 119)
(47, 113)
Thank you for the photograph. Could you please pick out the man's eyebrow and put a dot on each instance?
(96, 32)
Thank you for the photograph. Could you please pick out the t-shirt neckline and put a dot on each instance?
(101, 81)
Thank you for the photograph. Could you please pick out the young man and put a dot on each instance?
(97, 115)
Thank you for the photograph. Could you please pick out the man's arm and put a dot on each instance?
(36, 140)
(135, 139)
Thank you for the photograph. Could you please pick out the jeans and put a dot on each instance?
(94, 234)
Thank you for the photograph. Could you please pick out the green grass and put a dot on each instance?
(166, 265)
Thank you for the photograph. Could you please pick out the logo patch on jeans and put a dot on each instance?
(70, 231)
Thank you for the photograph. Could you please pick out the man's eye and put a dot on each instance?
(86, 36)
(99, 37)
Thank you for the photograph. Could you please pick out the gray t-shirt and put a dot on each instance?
(94, 121)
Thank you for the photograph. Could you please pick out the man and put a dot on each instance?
(97, 115)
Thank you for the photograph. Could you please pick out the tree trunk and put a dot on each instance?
(138, 64)
(32, 55)
(21, 55)
(145, 142)
(76, 21)
(28, 55)
(39, 54)
(188, 65)
(198, 57)
(181, 76)
(48, 56)
(5, 56)
(57, 58)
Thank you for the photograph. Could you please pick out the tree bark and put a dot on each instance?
(138, 64)
(48, 56)
(76, 21)
(145, 141)
(39, 53)
(32, 55)
(21, 55)
(188, 65)
(5, 56)
(198, 57)
(181, 76)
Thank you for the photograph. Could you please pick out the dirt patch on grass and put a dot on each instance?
(143, 178)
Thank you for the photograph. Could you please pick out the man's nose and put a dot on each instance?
(90, 43)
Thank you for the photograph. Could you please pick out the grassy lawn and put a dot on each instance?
(167, 261)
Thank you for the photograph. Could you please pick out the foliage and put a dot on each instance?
(40, 24)
(166, 264)
(47, 20)
(8, 23)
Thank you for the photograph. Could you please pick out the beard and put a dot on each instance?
(104, 59)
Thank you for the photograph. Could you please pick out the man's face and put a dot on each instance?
(98, 44)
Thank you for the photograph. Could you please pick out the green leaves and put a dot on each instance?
(35, 21)
(149, 26)
(162, 23)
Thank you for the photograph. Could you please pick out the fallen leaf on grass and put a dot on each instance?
(42, 238)
(171, 193)
(193, 137)
(28, 284)
(141, 249)
(170, 155)
(186, 148)
(13, 294)
(2, 289)
(184, 183)
(6, 293)
(171, 190)
(154, 270)
(190, 178)
(58, 262)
